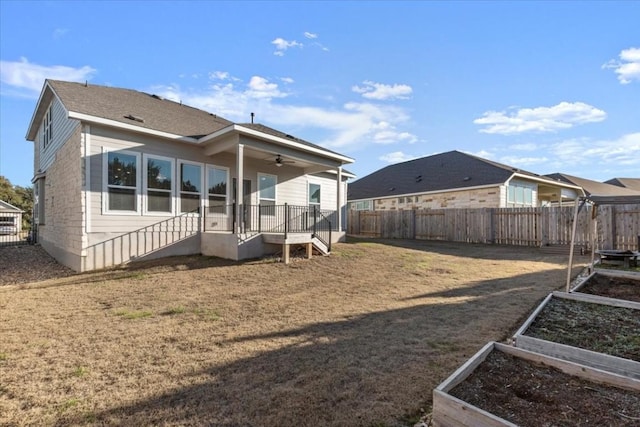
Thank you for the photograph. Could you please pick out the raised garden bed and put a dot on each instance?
(507, 386)
(612, 284)
(599, 332)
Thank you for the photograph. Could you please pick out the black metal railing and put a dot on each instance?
(145, 240)
(11, 235)
(272, 219)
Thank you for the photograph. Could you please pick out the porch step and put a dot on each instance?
(320, 247)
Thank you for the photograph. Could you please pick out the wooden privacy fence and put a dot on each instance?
(618, 226)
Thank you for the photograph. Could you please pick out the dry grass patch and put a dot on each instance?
(358, 338)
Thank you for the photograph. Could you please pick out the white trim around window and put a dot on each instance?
(219, 197)
(313, 187)
(120, 187)
(262, 195)
(161, 201)
(197, 187)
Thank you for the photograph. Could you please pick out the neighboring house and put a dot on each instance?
(10, 219)
(122, 174)
(631, 183)
(455, 180)
(594, 187)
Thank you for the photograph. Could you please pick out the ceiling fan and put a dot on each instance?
(279, 161)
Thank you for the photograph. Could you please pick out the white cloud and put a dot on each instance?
(24, 75)
(261, 88)
(310, 35)
(283, 45)
(623, 152)
(628, 67)
(523, 161)
(530, 146)
(353, 125)
(396, 157)
(565, 115)
(379, 91)
(287, 80)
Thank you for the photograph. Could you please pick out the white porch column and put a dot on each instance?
(339, 198)
(238, 195)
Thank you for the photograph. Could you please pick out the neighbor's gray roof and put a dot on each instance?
(594, 187)
(632, 183)
(444, 171)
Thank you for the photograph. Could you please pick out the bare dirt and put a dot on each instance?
(358, 338)
(597, 327)
(613, 287)
(532, 394)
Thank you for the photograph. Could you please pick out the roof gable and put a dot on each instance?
(632, 183)
(591, 187)
(129, 107)
(8, 207)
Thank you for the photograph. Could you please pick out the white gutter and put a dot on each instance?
(113, 123)
(546, 181)
(276, 139)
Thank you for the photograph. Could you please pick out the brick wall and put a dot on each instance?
(476, 198)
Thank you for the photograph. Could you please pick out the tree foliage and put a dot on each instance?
(20, 197)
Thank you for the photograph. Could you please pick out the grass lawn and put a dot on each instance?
(359, 338)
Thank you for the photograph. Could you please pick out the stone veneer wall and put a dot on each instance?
(475, 198)
(61, 235)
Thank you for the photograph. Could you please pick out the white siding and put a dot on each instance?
(63, 128)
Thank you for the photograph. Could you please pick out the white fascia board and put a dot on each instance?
(46, 87)
(546, 181)
(277, 139)
(112, 123)
(449, 190)
(344, 174)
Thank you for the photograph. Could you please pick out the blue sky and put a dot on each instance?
(543, 86)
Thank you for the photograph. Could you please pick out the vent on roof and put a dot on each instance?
(418, 178)
(157, 97)
(466, 178)
(392, 189)
(134, 118)
(213, 115)
(290, 136)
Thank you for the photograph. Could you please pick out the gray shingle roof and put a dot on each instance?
(274, 132)
(117, 104)
(594, 187)
(632, 183)
(445, 171)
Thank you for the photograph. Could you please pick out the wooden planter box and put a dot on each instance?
(452, 412)
(611, 284)
(615, 364)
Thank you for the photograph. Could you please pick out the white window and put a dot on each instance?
(520, 194)
(122, 183)
(314, 195)
(267, 192)
(217, 179)
(159, 184)
(47, 128)
(190, 186)
(363, 205)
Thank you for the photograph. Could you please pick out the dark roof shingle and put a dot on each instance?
(445, 171)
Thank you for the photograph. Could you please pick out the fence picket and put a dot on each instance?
(618, 227)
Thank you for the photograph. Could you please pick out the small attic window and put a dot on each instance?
(134, 118)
